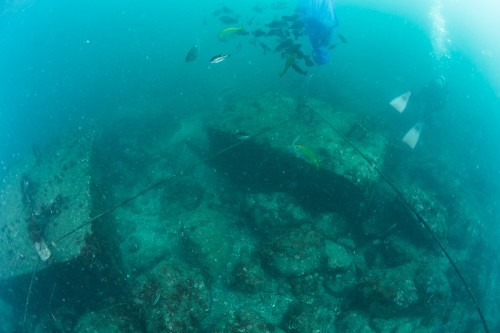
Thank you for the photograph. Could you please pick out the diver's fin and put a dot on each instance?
(411, 137)
(399, 103)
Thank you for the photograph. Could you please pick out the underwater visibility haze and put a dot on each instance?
(250, 166)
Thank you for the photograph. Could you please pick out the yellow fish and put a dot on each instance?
(306, 154)
(225, 33)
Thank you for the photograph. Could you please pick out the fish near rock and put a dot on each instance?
(306, 154)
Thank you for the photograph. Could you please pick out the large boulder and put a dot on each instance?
(294, 253)
(45, 206)
(282, 145)
(173, 298)
(272, 212)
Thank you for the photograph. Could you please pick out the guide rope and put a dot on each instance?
(412, 209)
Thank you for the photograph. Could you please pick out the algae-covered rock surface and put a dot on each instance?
(269, 217)
(42, 200)
(292, 148)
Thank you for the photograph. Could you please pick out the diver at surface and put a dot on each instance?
(429, 101)
(320, 20)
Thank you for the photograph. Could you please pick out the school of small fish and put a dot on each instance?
(285, 32)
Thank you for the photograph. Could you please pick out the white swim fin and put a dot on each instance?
(411, 137)
(43, 250)
(399, 103)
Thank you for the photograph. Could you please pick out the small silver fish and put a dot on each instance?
(219, 58)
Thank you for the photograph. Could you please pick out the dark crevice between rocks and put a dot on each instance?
(256, 167)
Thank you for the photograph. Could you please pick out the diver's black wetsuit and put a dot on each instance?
(431, 99)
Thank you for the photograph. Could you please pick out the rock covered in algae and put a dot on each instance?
(245, 320)
(110, 320)
(248, 276)
(181, 195)
(392, 251)
(209, 240)
(294, 253)
(389, 292)
(337, 257)
(43, 198)
(271, 212)
(354, 322)
(432, 282)
(426, 203)
(310, 318)
(403, 325)
(146, 239)
(173, 298)
(331, 225)
(288, 147)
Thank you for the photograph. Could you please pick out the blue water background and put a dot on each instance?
(67, 64)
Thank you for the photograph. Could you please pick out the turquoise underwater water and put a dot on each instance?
(75, 67)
